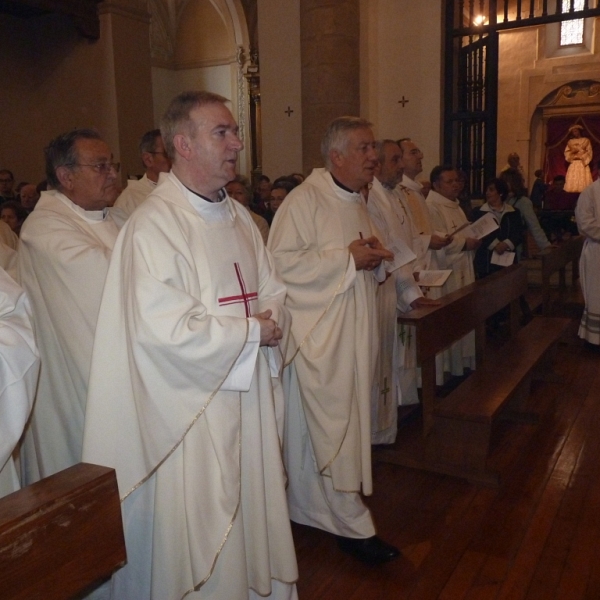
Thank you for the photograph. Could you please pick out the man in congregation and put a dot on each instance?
(155, 161)
(447, 216)
(7, 182)
(63, 257)
(324, 248)
(395, 378)
(29, 196)
(238, 189)
(185, 400)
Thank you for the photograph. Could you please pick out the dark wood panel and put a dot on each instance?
(60, 535)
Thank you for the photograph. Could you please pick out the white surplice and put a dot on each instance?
(136, 191)
(334, 327)
(587, 214)
(187, 408)
(63, 260)
(8, 249)
(392, 385)
(447, 216)
(19, 368)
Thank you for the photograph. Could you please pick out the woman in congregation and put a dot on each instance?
(517, 198)
(505, 239)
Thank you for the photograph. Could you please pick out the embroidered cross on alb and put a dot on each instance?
(245, 297)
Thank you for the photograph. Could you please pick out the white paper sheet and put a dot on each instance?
(433, 278)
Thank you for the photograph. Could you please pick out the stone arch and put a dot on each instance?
(574, 100)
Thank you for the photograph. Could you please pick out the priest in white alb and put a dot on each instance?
(395, 380)
(19, 368)
(428, 245)
(185, 400)
(587, 213)
(325, 249)
(155, 161)
(447, 216)
(65, 248)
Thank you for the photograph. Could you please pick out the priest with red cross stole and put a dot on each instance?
(185, 400)
(326, 250)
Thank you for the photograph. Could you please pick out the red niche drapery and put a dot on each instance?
(557, 135)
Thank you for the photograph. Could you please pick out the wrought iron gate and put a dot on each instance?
(472, 29)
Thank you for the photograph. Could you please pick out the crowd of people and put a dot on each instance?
(232, 353)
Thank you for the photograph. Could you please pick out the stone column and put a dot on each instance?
(330, 31)
(125, 26)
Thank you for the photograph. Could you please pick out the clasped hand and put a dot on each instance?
(368, 253)
(270, 333)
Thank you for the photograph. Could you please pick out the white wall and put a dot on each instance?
(401, 55)
(280, 83)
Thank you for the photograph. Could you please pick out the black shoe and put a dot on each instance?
(373, 550)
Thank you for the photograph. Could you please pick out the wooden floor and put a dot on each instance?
(536, 537)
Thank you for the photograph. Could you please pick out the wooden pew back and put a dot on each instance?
(438, 327)
(60, 535)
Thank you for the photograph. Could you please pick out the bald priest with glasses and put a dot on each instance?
(65, 248)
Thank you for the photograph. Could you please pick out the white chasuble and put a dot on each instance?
(19, 368)
(63, 259)
(392, 385)
(447, 216)
(587, 213)
(185, 406)
(334, 323)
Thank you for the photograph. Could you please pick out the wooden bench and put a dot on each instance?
(457, 429)
(463, 421)
(556, 259)
(460, 312)
(61, 535)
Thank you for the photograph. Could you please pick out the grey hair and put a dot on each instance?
(336, 135)
(380, 148)
(61, 152)
(177, 116)
(244, 182)
(148, 141)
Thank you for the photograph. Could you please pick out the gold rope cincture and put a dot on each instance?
(198, 415)
(337, 289)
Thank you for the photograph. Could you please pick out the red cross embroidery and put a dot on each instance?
(244, 297)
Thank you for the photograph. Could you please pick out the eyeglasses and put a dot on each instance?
(102, 168)
(5, 180)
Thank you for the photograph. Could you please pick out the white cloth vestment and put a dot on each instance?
(63, 260)
(134, 194)
(579, 154)
(8, 249)
(19, 368)
(187, 408)
(587, 213)
(334, 327)
(447, 216)
(393, 223)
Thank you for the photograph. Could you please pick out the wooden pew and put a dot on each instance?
(464, 420)
(457, 429)
(556, 259)
(61, 535)
(460, 312)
